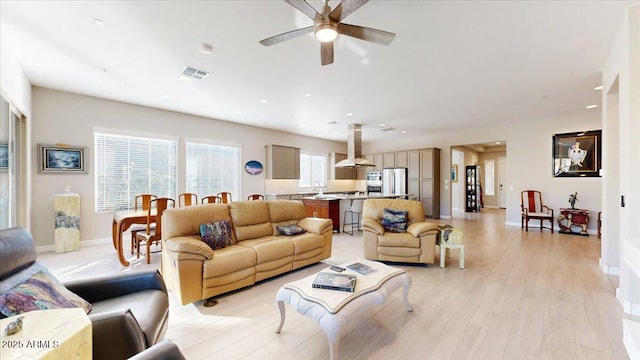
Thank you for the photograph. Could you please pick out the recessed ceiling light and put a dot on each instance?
(206, 49)
(383, 125)
(498, 143)
(599, 87)
(349, 114)
(591, 106)
(239, 112)
(264, 101)
(307, 95)
(404, 131)
(166, 97)
(98, 22)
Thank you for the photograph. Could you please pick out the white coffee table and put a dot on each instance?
(333, 309)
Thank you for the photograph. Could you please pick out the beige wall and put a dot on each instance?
(60, 117)
(528, 162)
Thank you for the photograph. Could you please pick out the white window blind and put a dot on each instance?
(489, 177)
(212, 169)
(126, 166)
(313, 170)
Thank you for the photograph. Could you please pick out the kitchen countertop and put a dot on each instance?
(342, 196)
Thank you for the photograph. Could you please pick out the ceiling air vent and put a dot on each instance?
(194, 73)
(387, 129)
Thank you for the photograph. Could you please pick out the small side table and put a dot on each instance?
(570, 219)
(451, 238)
(48, 334)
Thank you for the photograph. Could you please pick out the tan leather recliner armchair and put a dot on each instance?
(417, 245)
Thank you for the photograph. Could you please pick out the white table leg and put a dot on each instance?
(461, 256)
(406, 286)
(443, 253)
(282, 316)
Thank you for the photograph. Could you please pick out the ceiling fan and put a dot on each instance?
(328, 24)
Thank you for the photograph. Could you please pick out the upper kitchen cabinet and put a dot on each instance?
(401, 159)
(377, 160)
(283, 162)
(389, 160)
(346, 173)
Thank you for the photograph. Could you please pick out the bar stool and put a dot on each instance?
(187, 199)
(255, 197)
(212, 199)
(355, 209)
(225, 196)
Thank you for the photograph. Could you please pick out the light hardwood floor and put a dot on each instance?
(521, 296)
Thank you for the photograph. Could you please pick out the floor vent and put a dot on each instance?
(194, 73)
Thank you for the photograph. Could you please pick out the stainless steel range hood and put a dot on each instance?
(354, 150)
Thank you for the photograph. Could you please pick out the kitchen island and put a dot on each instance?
(333, 206)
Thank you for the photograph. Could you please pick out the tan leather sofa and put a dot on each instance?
(417, 245)
(193, 271)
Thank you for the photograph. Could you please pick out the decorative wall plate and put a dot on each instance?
(253, 167)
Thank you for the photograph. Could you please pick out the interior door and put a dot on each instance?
(502, 177)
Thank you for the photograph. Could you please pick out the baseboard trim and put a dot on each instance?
(94, 242)
(555, 228)
(631, 338)
(627, 306)
(610, 270)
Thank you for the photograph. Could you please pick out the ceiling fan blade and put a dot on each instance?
(346, 8)
(286, 36)
(366, 33)
(326, 53)
(304, 7)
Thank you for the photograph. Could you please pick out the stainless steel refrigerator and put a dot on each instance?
(394, 181)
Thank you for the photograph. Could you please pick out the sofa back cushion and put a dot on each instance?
(285, 213)
(17, 251)
(374, 209)
(250, 219)
(186, 221)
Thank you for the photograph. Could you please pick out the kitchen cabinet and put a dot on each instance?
(325, 209)
(283, 162)
(401, 159)
(341, 173)
(430, 181)
(377, 160)
(389, 160)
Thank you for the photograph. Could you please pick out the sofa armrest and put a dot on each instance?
(166, 350)
(316, 225)
(116, 335)
(420, 228)
(106, 287)
(373, 226)
(192, 248)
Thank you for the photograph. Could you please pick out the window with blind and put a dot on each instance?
(212, 169)
(313, 170)
(126, 166)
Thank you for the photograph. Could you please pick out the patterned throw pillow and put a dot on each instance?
(394, 220)
(40, 292)
(217, 234)
(290, 230)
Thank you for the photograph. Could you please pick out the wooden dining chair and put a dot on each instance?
(153, 236)
(187, 199)
(225, 196)
(140, 202)
(533, 208)
(255, 197)
(211, 199)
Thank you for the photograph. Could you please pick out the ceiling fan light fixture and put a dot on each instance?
(326, 32)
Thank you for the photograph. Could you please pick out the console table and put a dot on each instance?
(573, 221)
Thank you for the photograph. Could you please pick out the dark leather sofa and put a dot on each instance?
(130, 312)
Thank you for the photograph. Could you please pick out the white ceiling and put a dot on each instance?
(452, 65)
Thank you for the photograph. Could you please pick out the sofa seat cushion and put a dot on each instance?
(270, 248)
(388, 253)
(306, 242)
(399, 240)
(228, 260)
(149, 307)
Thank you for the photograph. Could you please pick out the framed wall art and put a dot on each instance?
(454, 173)
(577, 154)
(61, 159)
(4, 156)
